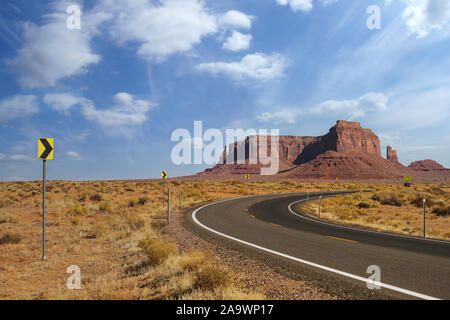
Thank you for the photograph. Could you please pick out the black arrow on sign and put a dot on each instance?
(48, 149)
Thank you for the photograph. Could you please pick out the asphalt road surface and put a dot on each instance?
(334, 256)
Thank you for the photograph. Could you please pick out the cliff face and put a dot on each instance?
(427, 166)
(391, 154)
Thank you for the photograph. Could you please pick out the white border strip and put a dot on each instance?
(346, 274)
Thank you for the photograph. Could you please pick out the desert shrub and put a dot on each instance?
(417, 200)
(156, 250)
(143, 200)
(129, 189)
(6, 217)
(158, 224)
(96, 197)
(105, 206)
(10, 238)
(369, 203)
(132, 202)
(97, 230)
(82, 197)
(210, 278)
(442, 211)
(389, 198)
(135, 221)
(5, 202)
(79, 210)
(195, 260)
(75, 221)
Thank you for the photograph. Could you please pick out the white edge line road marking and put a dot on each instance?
(346, 274)
(358, 229)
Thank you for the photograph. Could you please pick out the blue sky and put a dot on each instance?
(112, 92)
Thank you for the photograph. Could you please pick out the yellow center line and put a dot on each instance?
(341, 239)
(276, 225)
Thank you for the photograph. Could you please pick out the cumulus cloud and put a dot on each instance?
(52, 52)
(235, 19)
(423, 16)
(287, 116)
(63, 102)
(126, 111)
(354, 108)
(73, 155)
(297, 5)
(252, 66)
(18, 106)
(237, 42)
(171, 26)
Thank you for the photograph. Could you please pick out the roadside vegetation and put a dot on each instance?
(392, 208)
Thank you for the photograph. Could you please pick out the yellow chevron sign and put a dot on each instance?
(247, 176)
(163, 174)
(46, 148)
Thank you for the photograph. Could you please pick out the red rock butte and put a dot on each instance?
(347, 151)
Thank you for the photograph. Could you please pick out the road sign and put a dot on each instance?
(163, 174)
(46, 148)
(337, 179)
(247, 176)
(407, 178)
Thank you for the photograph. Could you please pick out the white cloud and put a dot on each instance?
(423, 16)
(279, 117)
(52, 52)
(252, 66)
(237, 42)
(354, 108)
(126, 111)
(172, 26)
(2, 156)
(73, 155)
(19, 158)
(18, 106)
(297, 5)
(63, 102)
(235, 19)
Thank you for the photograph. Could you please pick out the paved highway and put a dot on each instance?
(337, 257)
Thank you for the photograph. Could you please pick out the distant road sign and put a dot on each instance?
(46, 148)
(247, 176)
(337, 179)
(163, 174)
(407, 178)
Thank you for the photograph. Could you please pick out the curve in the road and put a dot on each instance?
(275, 228)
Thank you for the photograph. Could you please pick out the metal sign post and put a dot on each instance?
(320, 202)
(44, 178)
(424, 217)
(168, 206)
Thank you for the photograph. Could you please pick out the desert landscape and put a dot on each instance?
(117, 232)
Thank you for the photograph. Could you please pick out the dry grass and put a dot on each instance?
(391, 208)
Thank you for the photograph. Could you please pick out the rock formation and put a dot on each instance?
(347, 151)
(391, 154)
(427, 166)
